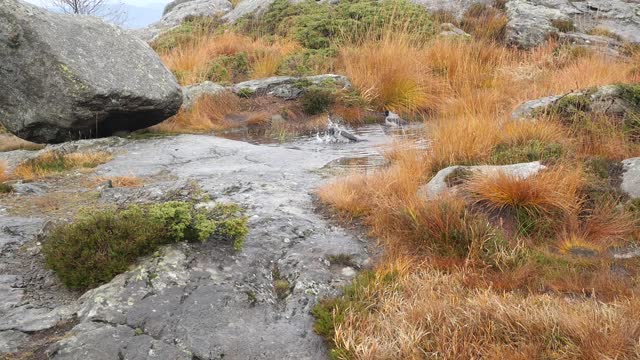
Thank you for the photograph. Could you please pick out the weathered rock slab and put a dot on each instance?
(10, 340)
(69, 77)
(631, 177)
(286, 87)
(192, 92)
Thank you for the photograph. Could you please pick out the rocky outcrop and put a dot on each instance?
(457, 8)
(67, 77)
(247, 7)
(287, 87)
(533, 21)
(178, 10)
(450, 178)
(611, 100)
(631, 177)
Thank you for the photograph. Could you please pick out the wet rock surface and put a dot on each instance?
(203, 301)
(71, 77)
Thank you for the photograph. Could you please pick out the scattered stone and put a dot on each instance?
(348, 271)
(191, 93)
(68, 77)
(17, 230)
(11, 340)
(529, 108)
(456, 8)
(438, 185)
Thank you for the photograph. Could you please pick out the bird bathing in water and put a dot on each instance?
(337, 132)
(393, 119)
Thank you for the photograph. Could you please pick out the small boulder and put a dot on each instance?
(191, 93)
(450, 30)
(442, 182)
(67, 77)
(287, 87)
(611, 100)
(631, 177)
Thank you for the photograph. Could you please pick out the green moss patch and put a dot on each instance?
(99, 245)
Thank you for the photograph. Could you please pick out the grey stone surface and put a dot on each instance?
(607, 100)
(438, 185)
(68, 77)
(116, 342)
(286, 86)
(530, 21)
(529, 108)
(455, 7)
(10, 340)
(177, 11)
(192, 92)
(197, 298)
(631, 177)
(247, 7)
(16, 230)
(27, 319)
(10, 292)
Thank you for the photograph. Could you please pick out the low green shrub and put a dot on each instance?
(99, 245)
(316, 100)
(318, 25)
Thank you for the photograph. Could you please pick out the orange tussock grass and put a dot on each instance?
(550, 190)
(429, 313)
(3, 171)
(391, 74)
(521, 132)
(464, 140)
(207, 113)
(192, 60)
(51, 162)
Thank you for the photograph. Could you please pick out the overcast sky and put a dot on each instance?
(130, 2)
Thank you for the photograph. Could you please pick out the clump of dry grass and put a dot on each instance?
(193, 61)
(3, 171)
(427, 313)
(391, 74)
(52, 162)
(547, 192)
(521, 132)
(207, 113)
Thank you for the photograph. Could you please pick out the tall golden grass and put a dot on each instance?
(207, 113)
(3, 171)
(193, 59)
(429, 313)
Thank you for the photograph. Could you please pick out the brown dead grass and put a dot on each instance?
(192, 61)
(3, 171)
(51, 162)
(548, 191)
(432, 314)
(207, 113)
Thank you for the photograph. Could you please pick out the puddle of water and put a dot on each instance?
(360, 156)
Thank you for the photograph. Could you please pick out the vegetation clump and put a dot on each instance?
(53, 162)
(99, 245)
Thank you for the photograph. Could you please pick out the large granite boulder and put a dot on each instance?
(179, 10)
(67, 77)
